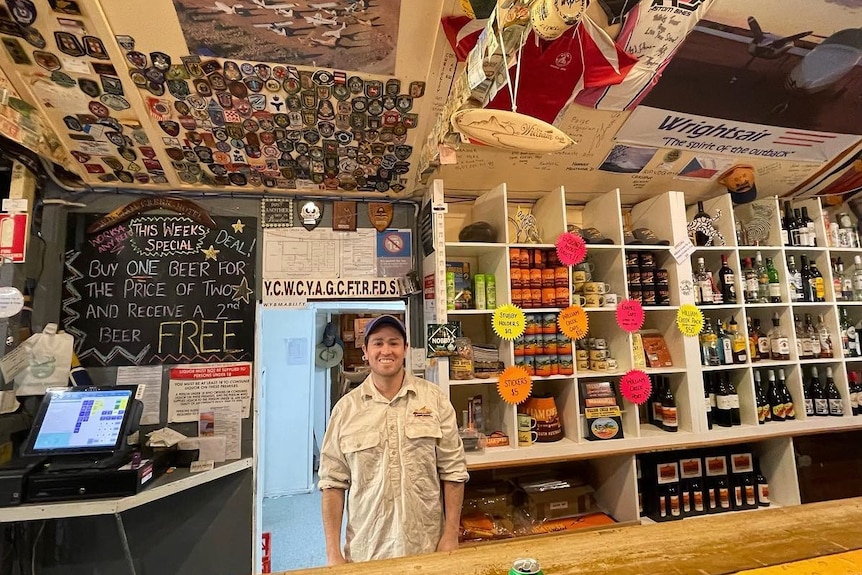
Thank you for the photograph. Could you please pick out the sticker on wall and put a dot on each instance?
(509, 322)
(514, 385)
(689, 320)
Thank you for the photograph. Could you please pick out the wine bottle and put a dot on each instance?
(696, 488)
(785, 224)
(774, 287)
(723, 402)
(836, 404)
(849, 336)
(808, 398)
(708, 399)
(749, 491)
(776, 402)
(727, 282)
(838, 278)
(723, 494)
(784, 393)
(821, 402)
(735, 418)
(760, 399)
(656, 411)
(853, 384)
(796, 233)
(673, 500)
(846, 283)
(669, 415)
(805, 280)
(700, 238)
(762, 488)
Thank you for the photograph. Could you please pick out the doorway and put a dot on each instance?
(295, 396)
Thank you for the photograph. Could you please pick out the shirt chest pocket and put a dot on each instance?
(363, 452)
(420, 448)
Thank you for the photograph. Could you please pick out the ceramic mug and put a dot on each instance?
(598, 343)
(594, 300)
(583, 365)
(610, 299)
(581, 276)
(596, 288)
(582, 354)
(599, 354)
(578, 299)
(527, 434)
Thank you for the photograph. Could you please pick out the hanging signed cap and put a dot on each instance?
(739, 181)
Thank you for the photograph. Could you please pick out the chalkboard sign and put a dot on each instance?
(160, 290)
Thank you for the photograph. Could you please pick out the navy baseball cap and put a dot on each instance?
(382, 321)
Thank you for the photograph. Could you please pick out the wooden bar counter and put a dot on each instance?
(710, 545)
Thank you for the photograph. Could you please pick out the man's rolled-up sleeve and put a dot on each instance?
(451, 463)
(334, 473)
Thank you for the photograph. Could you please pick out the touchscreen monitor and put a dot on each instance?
(81, 420)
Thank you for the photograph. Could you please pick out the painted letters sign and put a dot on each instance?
(160, 289)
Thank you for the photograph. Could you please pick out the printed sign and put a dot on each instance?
(13, 237)
(276, 212)
(514, 385)
(573, 322)
(630, 315)
(193, 386)
(509, 322)
(663, 129)
(689, 320)
(635, 386)
(441, 339)
(571, 249)
(160, 289)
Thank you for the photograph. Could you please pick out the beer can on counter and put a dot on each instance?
(490, 291)
(526, 567)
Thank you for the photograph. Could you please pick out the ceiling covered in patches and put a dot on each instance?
(354, 97)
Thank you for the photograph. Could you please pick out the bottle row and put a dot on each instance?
(761, 281)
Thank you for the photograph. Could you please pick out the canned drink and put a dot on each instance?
(525, 567)
(491, 291)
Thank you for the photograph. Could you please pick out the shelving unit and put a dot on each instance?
(666, 215)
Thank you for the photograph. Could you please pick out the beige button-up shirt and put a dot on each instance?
(391, 456)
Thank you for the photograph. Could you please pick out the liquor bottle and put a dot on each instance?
(853, 385)
(838, 279)
(779, 344)
(808, 398)
(696, 489)
(774, 287)
(656, 410)
(821, 402)
(786, 222)
(810, 233)
(776, 402)
(857, 278)
(818, 283)
(762, 488)
(760, 399)
(703, 283)
(723, 416)
(669, 415)
(762, 279)
(794, 230)
(764, 348)
(735, 418)
(725, 347)
(849, 336)
(812, 337)
(741, 238)
(726, 282)
(708, 399)
(803, 347)
(752, 341)
(749, 277)
(836, 404)
(723, 494)
(846, 283)
(847, 235)
(749, 491)
(784, 392)
(738, 341)
(700, 238)
(825, 338)
(794, 280)
(805, 280)
(709, 345)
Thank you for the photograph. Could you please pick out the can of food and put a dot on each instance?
(491, 291)
(525, 567)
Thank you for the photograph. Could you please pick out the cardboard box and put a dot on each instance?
(555, 499)
(462, 294)
(656, 351)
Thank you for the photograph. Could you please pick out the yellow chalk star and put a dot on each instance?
(238, 227)
(242, 291)
(211, 253)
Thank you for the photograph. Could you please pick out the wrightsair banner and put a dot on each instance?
(667, 129)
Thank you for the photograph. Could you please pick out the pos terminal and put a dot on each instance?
(80, 435)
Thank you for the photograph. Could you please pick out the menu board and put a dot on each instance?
(160, 289)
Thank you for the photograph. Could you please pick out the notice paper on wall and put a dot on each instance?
(222, 420)
(150, 377)
(216, 383)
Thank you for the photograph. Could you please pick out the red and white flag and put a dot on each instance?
(554, 72)
(462, 33)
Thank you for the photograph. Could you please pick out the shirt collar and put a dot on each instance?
(369, 391)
